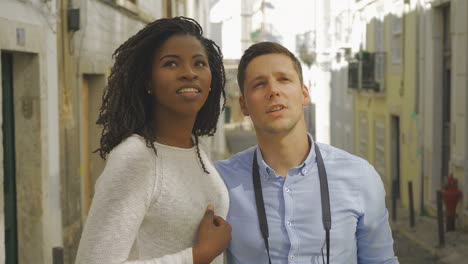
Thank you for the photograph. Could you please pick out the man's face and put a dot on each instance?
(273, 94)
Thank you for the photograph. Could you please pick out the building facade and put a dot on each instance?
(341, 98)
(56, 56)
(30, 197)
(385, 133)
(443, 84)
(409, 81)
(86, 60)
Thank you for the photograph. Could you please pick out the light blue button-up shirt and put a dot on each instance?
(360, 231)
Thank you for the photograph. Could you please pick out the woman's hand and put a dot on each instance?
(214, 235)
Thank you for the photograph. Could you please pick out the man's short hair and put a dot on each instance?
(264, 48)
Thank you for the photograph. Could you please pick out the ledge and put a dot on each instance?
(458, 162)
(130, 9)
(366, 93)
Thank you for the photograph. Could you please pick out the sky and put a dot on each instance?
(292, 17)
(289, 18)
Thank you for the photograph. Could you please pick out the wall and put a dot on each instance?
(35, 84)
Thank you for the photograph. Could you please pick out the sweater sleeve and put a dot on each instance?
(124, 192)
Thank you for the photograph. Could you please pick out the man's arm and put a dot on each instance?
(374, 237)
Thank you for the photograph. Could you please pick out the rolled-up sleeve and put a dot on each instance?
(374, 236)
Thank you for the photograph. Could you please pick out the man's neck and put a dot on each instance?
(284, 151)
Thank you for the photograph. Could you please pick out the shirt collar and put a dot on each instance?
(266, 172)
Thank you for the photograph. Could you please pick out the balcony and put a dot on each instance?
(366, 71)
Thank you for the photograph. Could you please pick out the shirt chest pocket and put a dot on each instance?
(247, 242)
(342, 233)
(314, 249)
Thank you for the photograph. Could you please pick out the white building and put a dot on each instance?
(30, 132)
(442, 68)
(341, 99)
(55, 60)
(87, 59)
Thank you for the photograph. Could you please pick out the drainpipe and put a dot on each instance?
(465, 166)
(420, 100)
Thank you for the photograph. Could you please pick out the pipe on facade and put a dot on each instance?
(465, 166)
(420, 101)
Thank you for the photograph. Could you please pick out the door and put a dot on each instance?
(92, 163)
(446, 94)
(9, 170)
(395, 155)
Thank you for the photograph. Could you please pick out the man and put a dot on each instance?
(293, 197)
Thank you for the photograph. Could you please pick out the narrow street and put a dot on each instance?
(409, 252)
(383, 80)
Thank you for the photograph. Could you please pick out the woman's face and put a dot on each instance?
(180, 78)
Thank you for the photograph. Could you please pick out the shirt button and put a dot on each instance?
(289, 224)
(292, 257)
(286, 189)
(304, 171)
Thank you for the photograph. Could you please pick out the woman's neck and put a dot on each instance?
(176, 132)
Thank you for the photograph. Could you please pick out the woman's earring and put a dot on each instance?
(209, 90)
(148, 88)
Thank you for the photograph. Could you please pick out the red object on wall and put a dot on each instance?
(451, 195)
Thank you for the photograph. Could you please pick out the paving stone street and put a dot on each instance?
(410, 253)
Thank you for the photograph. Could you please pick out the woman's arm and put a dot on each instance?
(214, 235)
(123, 195)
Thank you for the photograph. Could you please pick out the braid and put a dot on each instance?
(199, 156)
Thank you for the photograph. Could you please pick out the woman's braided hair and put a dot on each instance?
(126, 109)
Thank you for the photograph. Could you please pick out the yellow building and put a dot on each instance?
(409, 82)
(384, 88)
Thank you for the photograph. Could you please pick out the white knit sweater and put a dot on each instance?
(149, 207)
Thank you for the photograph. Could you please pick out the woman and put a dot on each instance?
(149, 206)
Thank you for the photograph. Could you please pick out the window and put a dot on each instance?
(396, 49)
(397, 31)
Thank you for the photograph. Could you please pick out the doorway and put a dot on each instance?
(9, 168)
(446, 93)
(93, 164)
(395, 155)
